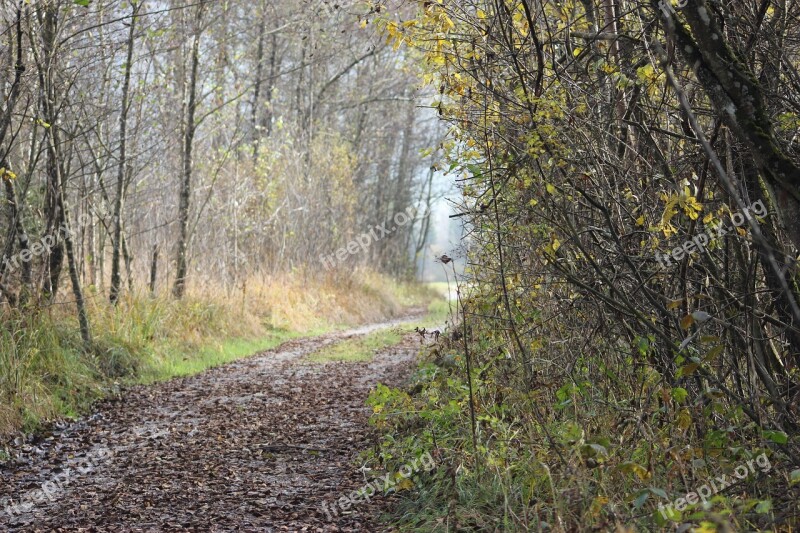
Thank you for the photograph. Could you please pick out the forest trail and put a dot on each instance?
(256, 445)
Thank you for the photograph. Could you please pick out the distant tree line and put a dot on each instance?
(159, 141)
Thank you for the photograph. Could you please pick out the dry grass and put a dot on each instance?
(45, 373)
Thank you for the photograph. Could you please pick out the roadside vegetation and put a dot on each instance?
(45, 373)
(363, 348)
(627, 332)
(198, 187)
(358, 350)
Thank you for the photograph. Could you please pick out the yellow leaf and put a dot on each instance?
(597, 505)
(447, 23)
(687, 321)
(646, 72)
(674, 304)
(684, 419)
(687, 370)
(640, 221)
(550, 188)
(405, 484)
(713, 353)
(640, 471)
(706, 527)
(481, 14)
(7, 174)
(364, 23)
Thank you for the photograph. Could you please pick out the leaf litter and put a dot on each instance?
(256, 445)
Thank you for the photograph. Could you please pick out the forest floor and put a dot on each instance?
(259, 444)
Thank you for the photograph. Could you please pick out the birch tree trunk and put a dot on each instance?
(179, 288)
(120, 198)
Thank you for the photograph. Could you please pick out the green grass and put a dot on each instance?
(59, 379)
(438, 312)
(46, 374)
(441, 287)
(182, 362)
(364, 348)
(358, 350)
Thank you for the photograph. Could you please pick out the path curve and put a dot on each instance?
(255, 445)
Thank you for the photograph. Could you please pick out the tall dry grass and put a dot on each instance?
(46, 373)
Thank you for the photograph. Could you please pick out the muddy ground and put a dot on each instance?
(260, 444)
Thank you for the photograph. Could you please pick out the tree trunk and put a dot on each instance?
(257, 88)
(16, 228)
(116, 242)
(59, 215)
(739, 99)
(154, 270)
(179, 288)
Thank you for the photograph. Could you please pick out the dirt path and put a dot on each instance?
(256, 445)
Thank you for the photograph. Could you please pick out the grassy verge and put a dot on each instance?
(438, 311)
(360, 349)
(45, 373)
(364, 348)
(177, 362)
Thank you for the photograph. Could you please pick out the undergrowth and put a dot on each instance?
(45, 373)
(589, 448)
